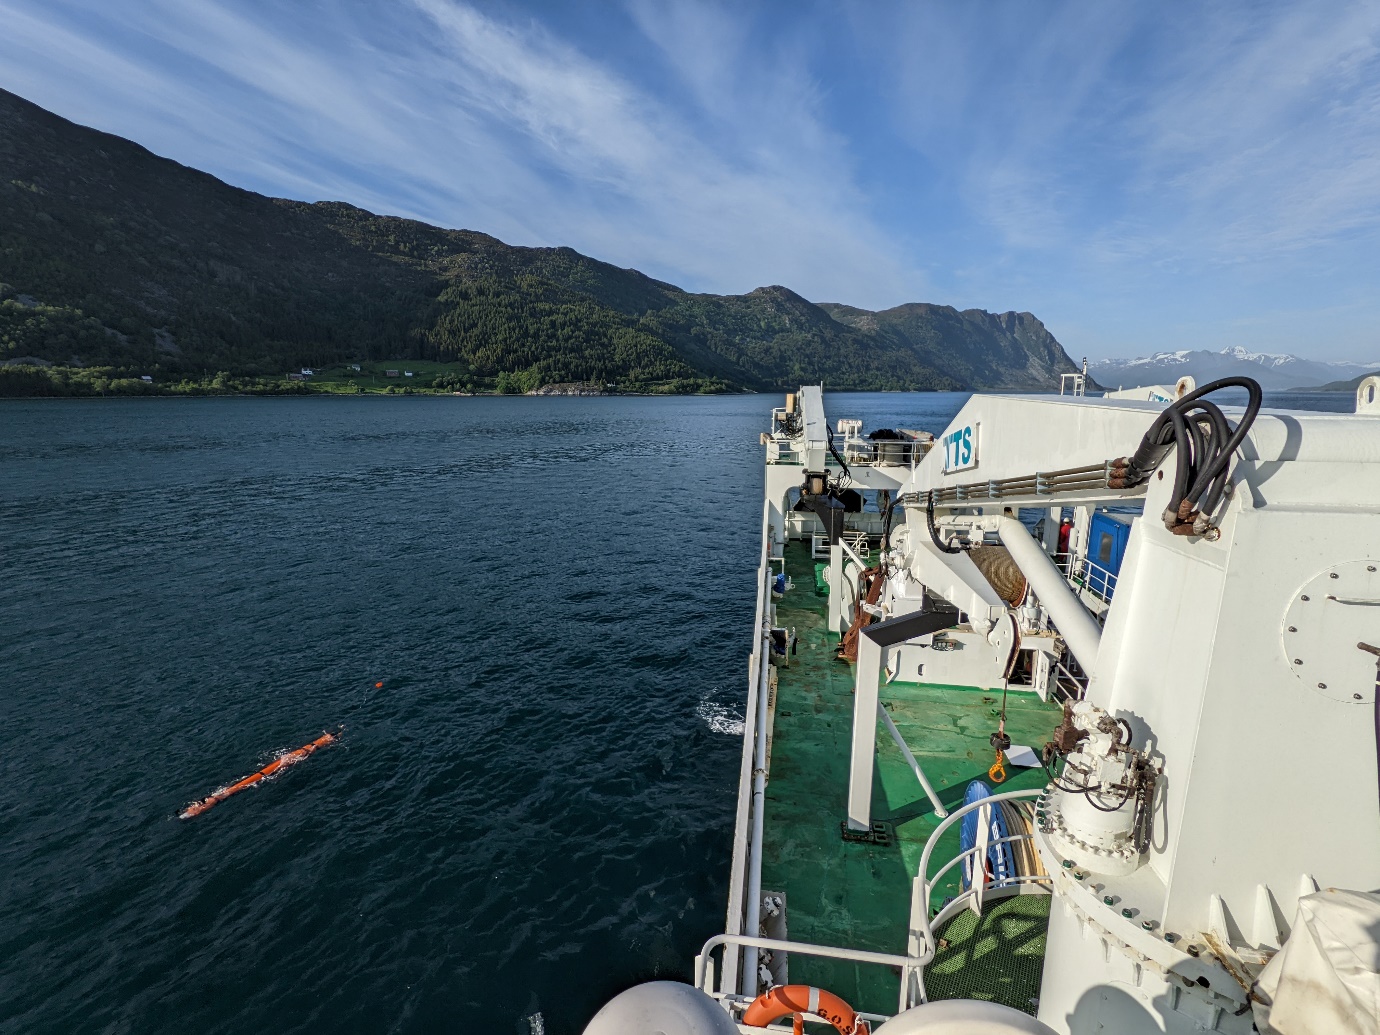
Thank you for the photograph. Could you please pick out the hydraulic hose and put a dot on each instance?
(829, 436)
(934, 533)
(1205, 442)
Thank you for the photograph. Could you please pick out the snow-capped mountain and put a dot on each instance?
(1272, 370)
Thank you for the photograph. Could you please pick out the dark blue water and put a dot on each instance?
(534, 811)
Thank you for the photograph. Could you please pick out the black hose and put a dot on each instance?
(934, 533)
(1255, 398)
(829, 435)
(1085, 790)
(1087, 793)
(1205, 442)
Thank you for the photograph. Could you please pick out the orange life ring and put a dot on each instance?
(797, 999)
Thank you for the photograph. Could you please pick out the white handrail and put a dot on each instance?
(974, 851)
(954, 817)
(1086, 574)
(743, 824)
(1081, 683)
(849, 550)
(885, 959)
(922, 947)
(759, 801)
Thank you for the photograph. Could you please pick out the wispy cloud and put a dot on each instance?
(437, 110)
(1133, 174)
(1179, 138)
(1271, 127)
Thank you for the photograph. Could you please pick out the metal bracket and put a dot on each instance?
(880, 834)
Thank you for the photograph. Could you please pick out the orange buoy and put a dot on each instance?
(277, 765)
(800, 999)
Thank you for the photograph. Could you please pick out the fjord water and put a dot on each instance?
(535, 809)
(533, 812)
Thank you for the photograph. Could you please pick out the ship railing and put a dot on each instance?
(922, 944)
(1088, 576)
(704, 963)
(1067, 686)
(856, 546)
(745, 878)
(888, 452)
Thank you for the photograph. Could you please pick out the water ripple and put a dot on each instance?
(534, 811)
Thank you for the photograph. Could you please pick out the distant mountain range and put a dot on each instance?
(110, 255)
(1272, 370)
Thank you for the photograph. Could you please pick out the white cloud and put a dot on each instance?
(1124, 172)
(1270, 128)
(674, 199)
(1216, 135)
(461, 119)
(1117, 164)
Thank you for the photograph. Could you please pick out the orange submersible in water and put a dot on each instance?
(276, 766)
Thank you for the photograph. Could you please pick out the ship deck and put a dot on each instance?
(858, 895)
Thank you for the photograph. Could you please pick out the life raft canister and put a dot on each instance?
(797, 999)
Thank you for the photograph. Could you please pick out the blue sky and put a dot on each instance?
(1140, 176)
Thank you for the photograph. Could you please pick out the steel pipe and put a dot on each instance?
(1074, 622)
(939, 809)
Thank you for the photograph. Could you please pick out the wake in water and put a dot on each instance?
(719, 718)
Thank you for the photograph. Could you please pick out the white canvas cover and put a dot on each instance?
(1326, 979)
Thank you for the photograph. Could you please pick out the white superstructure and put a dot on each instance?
(1218, 768)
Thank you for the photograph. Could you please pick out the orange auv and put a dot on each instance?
(277, 765)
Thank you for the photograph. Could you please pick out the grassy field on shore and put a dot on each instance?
(412, 377)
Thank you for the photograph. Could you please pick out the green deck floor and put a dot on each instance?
(998, 956)
(858, 895)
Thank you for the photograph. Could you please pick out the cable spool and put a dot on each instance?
(1001, 572)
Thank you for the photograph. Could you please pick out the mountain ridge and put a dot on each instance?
(110, 254)
(1277, 371)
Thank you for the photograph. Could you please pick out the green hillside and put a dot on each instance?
(114, 258)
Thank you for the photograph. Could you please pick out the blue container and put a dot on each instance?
(1107, 538)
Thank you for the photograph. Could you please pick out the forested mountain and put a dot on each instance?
(110, 255)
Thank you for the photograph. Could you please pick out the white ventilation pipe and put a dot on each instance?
(1074, 622)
